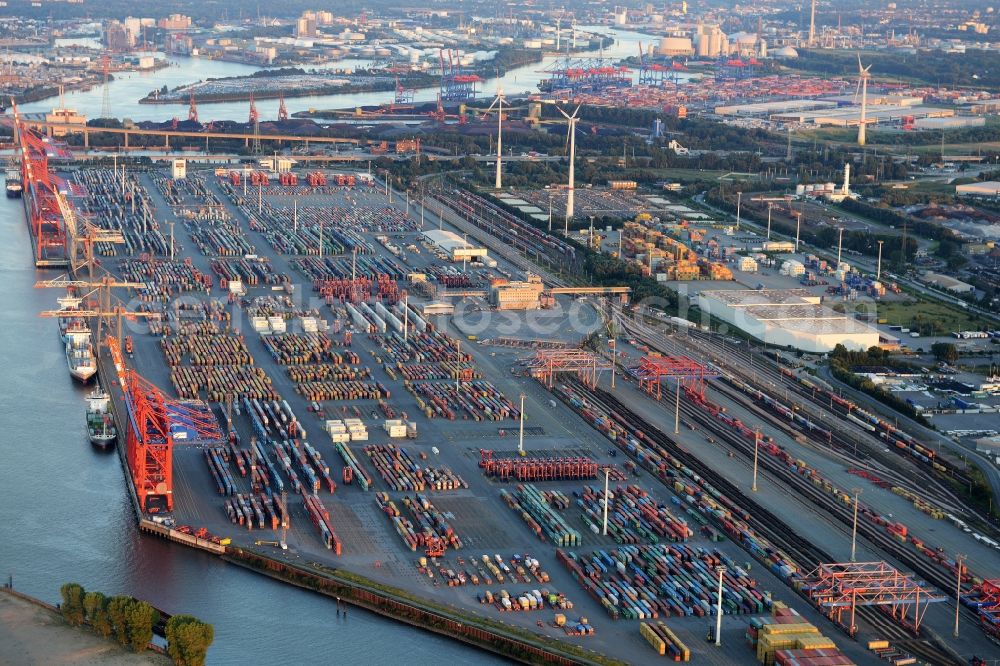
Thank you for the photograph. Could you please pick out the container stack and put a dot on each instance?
(633, 516)
(337, 431)
(321, 519)
(664, 641)
(219, 381)
(351, 463)
(356, 429)
(403, 474)
(218, 464)
(243, 509)
(543, 520)
(786, 638)
(430, 521)
(427, 527)
(675, 580)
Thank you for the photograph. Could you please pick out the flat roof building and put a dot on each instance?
(989, 188)
(453, 245)
(947, 282)
(788, 318)
(514, 295)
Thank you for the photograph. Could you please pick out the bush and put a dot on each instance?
(72, 603)
(95, 605)
(188, 640)
(140, 618)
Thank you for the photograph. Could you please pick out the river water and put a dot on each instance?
(128, 88)
(64, 513)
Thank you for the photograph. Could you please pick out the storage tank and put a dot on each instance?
(829, 187)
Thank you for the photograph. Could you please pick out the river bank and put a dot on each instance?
(33, 632)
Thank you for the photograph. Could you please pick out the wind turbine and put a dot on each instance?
(571, 136)
(498, 102)
(863, 77)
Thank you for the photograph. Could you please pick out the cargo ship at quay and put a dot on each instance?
(311, 413)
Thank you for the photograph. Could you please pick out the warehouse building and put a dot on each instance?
(765, 109)
(850, 116)
(947, 282)
(454, 246)
(788, 318)
(989, 188)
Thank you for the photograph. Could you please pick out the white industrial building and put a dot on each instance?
(947, 282)
(989, 188)
(453, 245)
(788, 318)
(178, 168)
(762, 109)
(850, 116)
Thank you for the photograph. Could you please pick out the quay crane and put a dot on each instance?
(104, 308)
(42, 201)
(151, 421)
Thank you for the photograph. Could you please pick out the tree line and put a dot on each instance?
(843, 362)
(131, 622)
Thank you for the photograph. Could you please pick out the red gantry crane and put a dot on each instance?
(153, 422)
(42, 201)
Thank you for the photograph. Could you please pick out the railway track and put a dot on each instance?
(843, 513)
(769, 526)
(841, 450)
(863, 446)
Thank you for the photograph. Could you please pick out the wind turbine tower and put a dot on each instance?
(863, 82)
(571, 121)
(498, 103)
(812, 25)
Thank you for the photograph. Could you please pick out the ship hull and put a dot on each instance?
(102, 441)
(83, 374)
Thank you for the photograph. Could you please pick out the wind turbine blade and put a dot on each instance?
(860, 68)
(857, 91)
(577, 110)
(565, 115)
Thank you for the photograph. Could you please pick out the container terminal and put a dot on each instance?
(307, 382)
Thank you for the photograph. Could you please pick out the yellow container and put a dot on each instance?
(797, 628)
(658, 643)
(814, 642)
(560, 620)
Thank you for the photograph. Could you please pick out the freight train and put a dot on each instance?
(782, 410)
(895, 439)
(508, 228)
